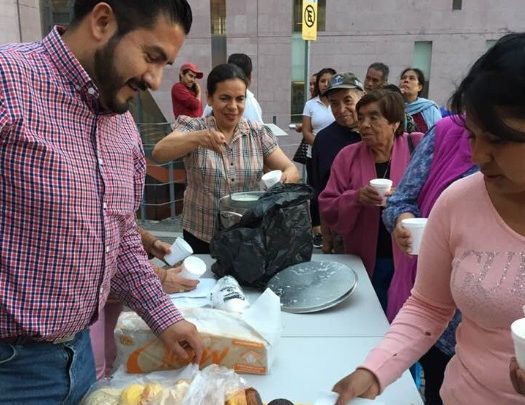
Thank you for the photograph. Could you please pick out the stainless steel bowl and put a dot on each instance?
(233, 206)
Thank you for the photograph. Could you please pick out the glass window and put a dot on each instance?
(297, 15)
(456, 4)
(489, 43)
(297, 87)
(218, 17)
(218, 31)
(423, 60)
(55, 12)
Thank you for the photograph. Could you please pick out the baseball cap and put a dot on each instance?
(193, 67)
(345, 80)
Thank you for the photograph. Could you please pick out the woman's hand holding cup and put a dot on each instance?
(402, 235)
(369, 196)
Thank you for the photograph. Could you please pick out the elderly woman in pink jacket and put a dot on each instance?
(349, 205)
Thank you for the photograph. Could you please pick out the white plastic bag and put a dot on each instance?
(213, 386)
(158, 388)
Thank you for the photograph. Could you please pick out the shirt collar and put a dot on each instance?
(68, 65)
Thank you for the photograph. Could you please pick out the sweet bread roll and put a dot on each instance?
(132, 395)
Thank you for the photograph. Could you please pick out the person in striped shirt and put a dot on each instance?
(72, 174)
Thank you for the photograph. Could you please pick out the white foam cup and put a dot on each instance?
(518, 336)
(416, 227)
(382, 186)
(193, 268)
(179, 251)
(271, 178)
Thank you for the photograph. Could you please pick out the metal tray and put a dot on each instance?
(313, 286)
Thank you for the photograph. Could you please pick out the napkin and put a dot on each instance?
(198, 297)
(329, 398)
(203, 289)
(264, 315)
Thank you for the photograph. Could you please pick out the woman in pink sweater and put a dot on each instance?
(473, 252)
(349, 205)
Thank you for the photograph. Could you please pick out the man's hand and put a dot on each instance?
(159, 249)
(182, 339)
(361, 383)
(402, 235)
(369, 196)
(517, 376)
(197, 88)
(175, 283)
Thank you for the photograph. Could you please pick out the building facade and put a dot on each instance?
(442, 37)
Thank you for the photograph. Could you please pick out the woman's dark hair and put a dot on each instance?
(220, 73)
(133, 14)
(420, 77)
(318, 77)
(495, 86)
(391, 105)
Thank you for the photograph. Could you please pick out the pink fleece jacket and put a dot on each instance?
(469, 258)
(339, 206)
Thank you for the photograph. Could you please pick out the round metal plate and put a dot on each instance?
(313, 286)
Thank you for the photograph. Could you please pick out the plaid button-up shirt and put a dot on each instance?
(71, 180)
(244, 156)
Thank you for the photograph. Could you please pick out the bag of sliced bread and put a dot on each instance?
(228, 340)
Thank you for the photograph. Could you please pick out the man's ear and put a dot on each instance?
(102, 22)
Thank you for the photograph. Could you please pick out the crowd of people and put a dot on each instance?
(72, 254)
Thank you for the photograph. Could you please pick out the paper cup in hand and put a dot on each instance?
(193, 268)
(415, 226)
(518, 336)
(382, 186)
(271, 178)
(179, 251)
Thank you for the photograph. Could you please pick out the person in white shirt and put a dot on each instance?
(252, 109)
(317, 115)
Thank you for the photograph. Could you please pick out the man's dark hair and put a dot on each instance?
(384, 69)
(392, 87)
(243, 61)
(133, 14)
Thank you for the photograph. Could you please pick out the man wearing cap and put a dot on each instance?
(186, 94)
(344, 91)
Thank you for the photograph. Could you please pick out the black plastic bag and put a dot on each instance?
(271, 236)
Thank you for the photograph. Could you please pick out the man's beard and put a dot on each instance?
(109, 81)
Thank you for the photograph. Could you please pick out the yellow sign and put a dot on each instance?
(310, 20)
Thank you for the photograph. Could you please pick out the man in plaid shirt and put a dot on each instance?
(71, 178)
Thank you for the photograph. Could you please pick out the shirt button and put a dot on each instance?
(105, 206)
(107, 249)
(100, 162)
(91, 91)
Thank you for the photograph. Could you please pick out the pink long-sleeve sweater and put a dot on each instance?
(470, 258)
